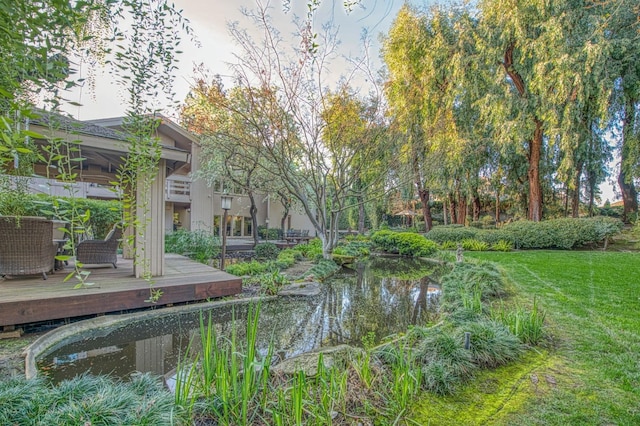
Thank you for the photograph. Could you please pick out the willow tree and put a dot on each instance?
(621, 36)
(404, 49)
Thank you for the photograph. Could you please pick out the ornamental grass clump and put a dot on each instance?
(491, 343)
(527, 325)
(87, 400)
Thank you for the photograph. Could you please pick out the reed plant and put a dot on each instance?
(527, 325)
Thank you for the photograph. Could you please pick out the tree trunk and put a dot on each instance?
(462, 208)
(453, 207)
(629, 195)
(575, 199)
(534, 211)
(497, 207)
(625, 178)
(253, 210)
(445, 219)
(361, 214)
(476, 206)
(533, 174)
(423, 193)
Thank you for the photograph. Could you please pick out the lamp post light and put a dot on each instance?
(226, 205)
(266, 234)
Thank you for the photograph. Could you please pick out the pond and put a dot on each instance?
(377, 298)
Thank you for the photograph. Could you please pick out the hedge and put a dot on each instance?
(566, 233)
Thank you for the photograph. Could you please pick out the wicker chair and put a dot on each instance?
(26, 246)
(100, 251)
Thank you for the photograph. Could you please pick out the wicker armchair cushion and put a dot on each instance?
(100, 251)
(26, 246)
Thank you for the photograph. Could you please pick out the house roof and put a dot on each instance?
(102, 147)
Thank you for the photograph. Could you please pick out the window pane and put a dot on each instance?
(237, 226)
(248, 228)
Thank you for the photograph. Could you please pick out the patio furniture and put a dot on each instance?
(26, 246)
(297, 236)
(100, 251)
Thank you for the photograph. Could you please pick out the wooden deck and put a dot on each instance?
(27, 300)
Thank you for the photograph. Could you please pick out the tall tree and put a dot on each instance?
(285, 90)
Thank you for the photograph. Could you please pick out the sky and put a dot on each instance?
(215, 47)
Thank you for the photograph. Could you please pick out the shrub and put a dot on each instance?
(355, 248)
(272, 234)
(566, 233)
(404, 243)
(102, 214)
(311, 250)
(254, 267)
(449, 245)
(199, 245)
(270, 282)
(453, 233)
(267, 251)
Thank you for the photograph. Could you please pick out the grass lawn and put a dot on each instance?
(590, 372)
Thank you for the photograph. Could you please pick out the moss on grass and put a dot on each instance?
(491, 396)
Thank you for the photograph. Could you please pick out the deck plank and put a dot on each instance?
(25, 300)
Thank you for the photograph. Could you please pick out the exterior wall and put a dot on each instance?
(296, 219)
(168, 217)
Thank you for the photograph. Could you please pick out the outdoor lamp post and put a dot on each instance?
(266, 234)
(226, 205)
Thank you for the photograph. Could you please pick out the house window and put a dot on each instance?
(237, 226)
(216, 225)
(248, 228)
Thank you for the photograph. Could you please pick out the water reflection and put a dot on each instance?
(382, 296)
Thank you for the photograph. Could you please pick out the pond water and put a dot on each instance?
(380, 297)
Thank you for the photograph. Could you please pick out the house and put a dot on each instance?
(192, 204)
(180, 201)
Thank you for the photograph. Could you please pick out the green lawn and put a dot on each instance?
(590, 372)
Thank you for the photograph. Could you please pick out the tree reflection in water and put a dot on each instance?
(382, 296)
